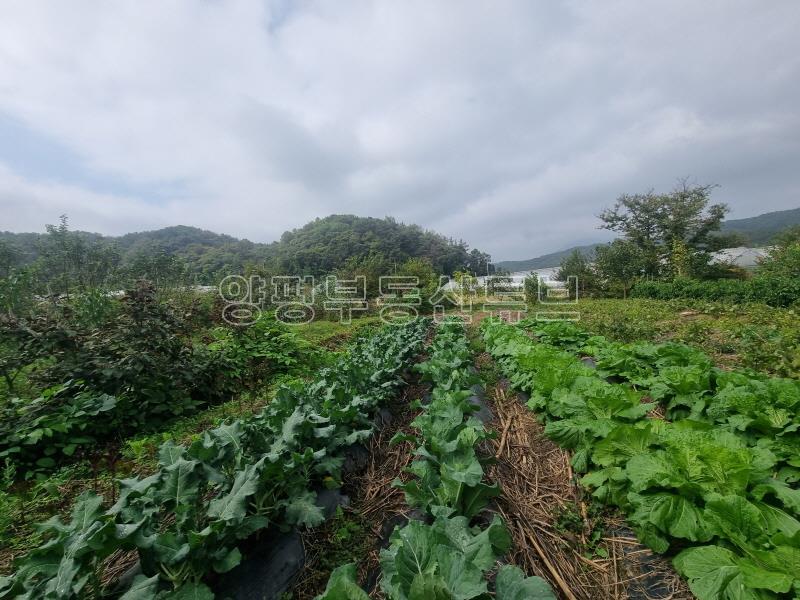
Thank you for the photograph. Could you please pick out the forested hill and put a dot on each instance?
(759, 231)
(546, 260)
(327, 244)
(321, 246)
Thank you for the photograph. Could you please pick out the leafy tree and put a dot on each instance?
(9, 257)
(479, 263)
(318, 248)
(727, 239)
(619, 264)
(654, 222)
(428, 278)
(531, 288)
(679, 258)
(158, 266)
(372, 267)
(70, 261)
(577, 265)
(325, 245)
(784, 256)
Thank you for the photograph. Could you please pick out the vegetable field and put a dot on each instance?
(451, 461)
(703, 462)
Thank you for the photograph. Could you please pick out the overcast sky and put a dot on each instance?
(508, 124)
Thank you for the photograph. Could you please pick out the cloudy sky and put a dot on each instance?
(508, 124)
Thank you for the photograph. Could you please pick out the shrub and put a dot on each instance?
(772, 290)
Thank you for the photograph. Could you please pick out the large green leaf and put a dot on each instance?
(232, 507)
(302, 510)
(180, 485)
(429, 586)
(788, 496)
(342, 585)
(479, 547)
(511, 584)
(142, 588)
(734, 518)
(714, 574)
(670, 513)
(474, 499)
(759, 578)
(229, 559)
(623, 443)
(411, 553)
(463, 579)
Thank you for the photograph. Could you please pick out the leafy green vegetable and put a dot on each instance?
(723, 469)
(189, 516)
(513, 585)
(448, 559)
(447, 556)
(342, 585)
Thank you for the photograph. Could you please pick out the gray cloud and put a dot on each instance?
(509, 124)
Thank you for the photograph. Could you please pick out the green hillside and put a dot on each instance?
(543, 262)
(319, 247)
(761, 229)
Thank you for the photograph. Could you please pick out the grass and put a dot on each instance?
(332, 334)
(22, 505)
(753, 336)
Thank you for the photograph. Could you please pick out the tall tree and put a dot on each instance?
(659, 223)
(74, 261)
(576, 264)
(618, 265)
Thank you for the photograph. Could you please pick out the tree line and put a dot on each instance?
(62, 261)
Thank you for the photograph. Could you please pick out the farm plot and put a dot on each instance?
(451, 550)
(701, 474)
(187, 520)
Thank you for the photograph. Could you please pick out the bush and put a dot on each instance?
(143, 355)
(771, 290)
(110, 373)
(258, 352)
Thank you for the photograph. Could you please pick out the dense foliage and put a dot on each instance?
(666, 228)
(448, 472)
(188, 517)
(324, 245)
(772, 290)
(715, 482)
(127, 366)
(664, 253)
(65, 260)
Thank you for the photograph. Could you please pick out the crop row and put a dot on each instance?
(763, 410)
(721, 505)
(189, 517)
(443, 556)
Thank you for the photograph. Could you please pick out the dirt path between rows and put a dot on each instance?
(584, 556)
(374, 501)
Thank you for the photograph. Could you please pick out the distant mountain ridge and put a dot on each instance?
(545, 261)
(322, 246)
(758, 231)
